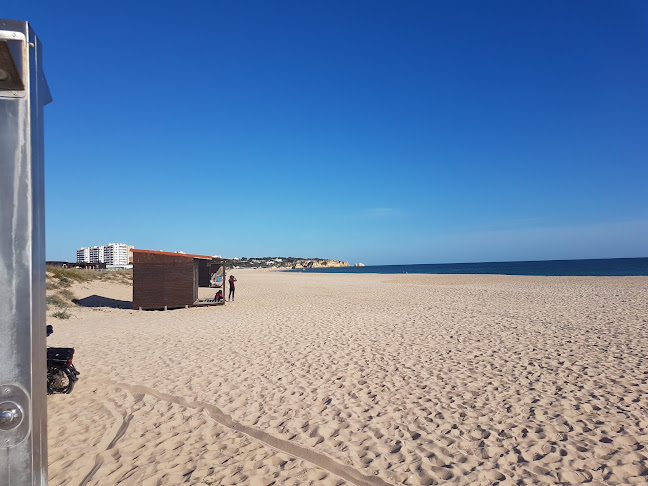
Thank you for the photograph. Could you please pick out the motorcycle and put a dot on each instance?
(61, 373)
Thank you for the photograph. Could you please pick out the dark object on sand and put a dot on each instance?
(61, 373)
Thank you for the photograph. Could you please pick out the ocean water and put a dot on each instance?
(602, 267)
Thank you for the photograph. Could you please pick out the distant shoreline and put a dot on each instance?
(608, 267)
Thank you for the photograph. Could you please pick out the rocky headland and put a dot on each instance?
(317, 263)
(286, 263)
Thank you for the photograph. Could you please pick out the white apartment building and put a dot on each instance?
(97, 254)
(83, 255)
(112, 254)
(116, 254)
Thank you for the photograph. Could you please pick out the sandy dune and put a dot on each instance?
(330, 379)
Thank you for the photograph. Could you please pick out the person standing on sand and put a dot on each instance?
(232, 287)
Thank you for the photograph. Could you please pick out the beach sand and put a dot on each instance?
(346, 379)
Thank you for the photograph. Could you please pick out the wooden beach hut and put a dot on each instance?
(211, 273)
(164, 280)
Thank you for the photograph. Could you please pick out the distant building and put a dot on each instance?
(116, 254)
(83, 255)
(85, 265)
(97, 254)
(112, 254)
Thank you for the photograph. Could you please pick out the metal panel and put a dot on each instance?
(23, 399)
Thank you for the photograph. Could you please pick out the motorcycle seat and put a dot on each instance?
(62, 354)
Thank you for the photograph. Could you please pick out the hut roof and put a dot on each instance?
(170, 253)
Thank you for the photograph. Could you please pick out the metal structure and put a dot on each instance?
(23, 399)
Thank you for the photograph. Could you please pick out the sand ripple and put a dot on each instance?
(348, 379)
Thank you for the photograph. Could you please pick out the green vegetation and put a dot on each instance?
(66, 294)
(56, 301)
(271, 262)
(59, 280)
(64, 277)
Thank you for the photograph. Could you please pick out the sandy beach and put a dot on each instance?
(344, 379)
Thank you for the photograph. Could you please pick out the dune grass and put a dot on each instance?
(56, 301)
(59, 280)
(64, 277)
(62, 314)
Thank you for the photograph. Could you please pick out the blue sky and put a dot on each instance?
(382, 132)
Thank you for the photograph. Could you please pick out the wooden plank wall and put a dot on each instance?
(204, 271)
(163, 280)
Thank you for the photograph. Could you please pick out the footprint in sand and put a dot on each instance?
(492, 475)
(575, 477)
(442, 473)
(630, 471)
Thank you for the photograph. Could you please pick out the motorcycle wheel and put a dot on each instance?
(59, 381)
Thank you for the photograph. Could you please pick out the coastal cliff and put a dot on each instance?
(317, 263)
(286, 263)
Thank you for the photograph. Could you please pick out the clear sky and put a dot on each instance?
(382, 132)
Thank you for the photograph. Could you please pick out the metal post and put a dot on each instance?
(23, 393)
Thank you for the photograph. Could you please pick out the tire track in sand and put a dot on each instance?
(122, 423)
(320, 460)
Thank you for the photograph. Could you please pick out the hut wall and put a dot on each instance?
(204, 273)
(163, 280)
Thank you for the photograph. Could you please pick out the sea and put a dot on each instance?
(607, 267)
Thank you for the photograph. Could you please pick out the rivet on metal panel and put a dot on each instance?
(14, 415)
(10, 416)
